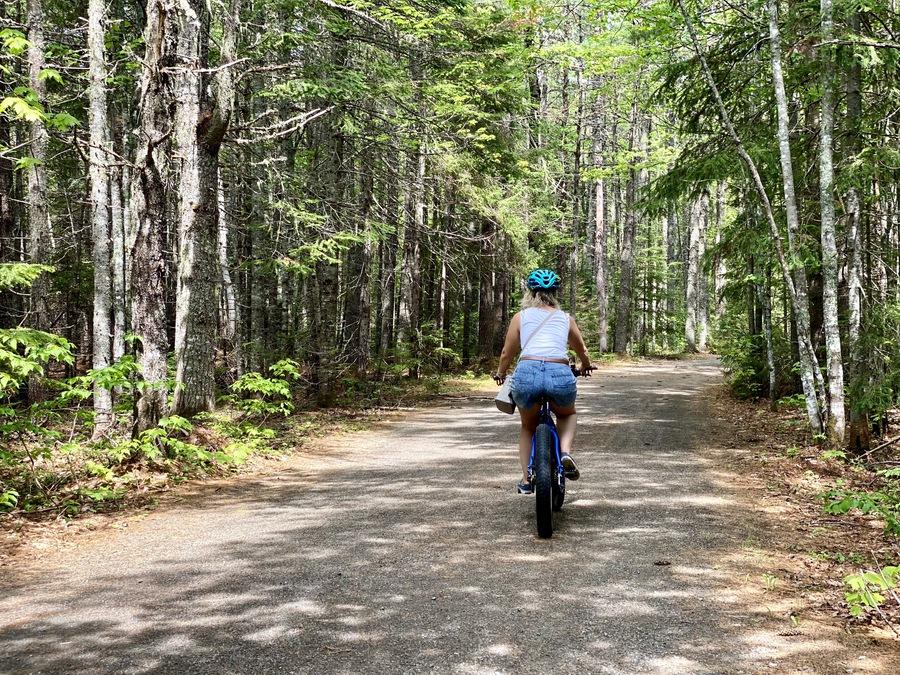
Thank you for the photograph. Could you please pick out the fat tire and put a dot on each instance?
(543, 481)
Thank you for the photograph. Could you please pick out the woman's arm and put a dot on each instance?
(576, 342)
(510, 346)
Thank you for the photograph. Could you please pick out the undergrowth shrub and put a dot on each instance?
(868, 591)
(883, 502)
(875, 389)
(745, 360)
(260, 396)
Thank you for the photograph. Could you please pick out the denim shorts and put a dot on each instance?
(533, 381)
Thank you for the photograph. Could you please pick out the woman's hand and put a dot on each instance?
(584, 370)
(499, 378)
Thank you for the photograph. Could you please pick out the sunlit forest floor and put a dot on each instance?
(794, 556)
(789, 479)
(395, 538)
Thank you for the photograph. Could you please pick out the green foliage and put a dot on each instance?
(14, 42)
(875, 388)
(259, 396)
(20, 275)
(883, 503)
(166, 441)
(867, 590)
(24, 352)
(8, 499)
(24, 108)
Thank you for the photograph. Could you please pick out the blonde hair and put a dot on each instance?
(539, 298)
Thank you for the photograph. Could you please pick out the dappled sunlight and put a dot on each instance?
(408, 550)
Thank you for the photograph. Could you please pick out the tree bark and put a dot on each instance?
(148, 201)
(691, 285)
(196, 296)
(201, 123)
(486, 300)
(363, 291)
(99, 157)
(41, 244)
(600, 270)
(810, 374)
(835, 366)
(702, 283)
(388, 271)
(411, 288)
(721, 274)
(117, 220)
(626, 257)
(764, 300)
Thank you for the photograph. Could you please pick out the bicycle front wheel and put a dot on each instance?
(543, 481)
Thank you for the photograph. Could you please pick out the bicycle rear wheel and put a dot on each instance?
(543, 481)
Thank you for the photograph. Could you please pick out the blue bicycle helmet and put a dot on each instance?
(542, 280)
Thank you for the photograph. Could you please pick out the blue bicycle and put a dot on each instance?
(545, 471)
(545, 467)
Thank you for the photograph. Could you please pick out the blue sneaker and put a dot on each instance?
(525, 488)
(570, 467)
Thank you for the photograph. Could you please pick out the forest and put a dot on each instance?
(260, 204)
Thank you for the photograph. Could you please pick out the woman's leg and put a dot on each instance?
(526, 433)
(565, 425)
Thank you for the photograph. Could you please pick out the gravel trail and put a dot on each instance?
(405, 549)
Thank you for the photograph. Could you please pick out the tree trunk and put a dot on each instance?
(388, 272)
(198, 270)
(810, 374)
(854, 240)
(690, 286)
(721, 274)
(626, 257)
(230, 319)
(148, 201)
(576, 181)
(764, 300)
(117, 219)
(670, 278)
(411, 287)
(200, 126)
(364, 299)
(702, 283)
(41, 245)
(600, 264)
(835, 366)
(99, 158)
(486, 299)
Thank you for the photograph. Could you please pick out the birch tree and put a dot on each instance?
(798, 304)
(810, 373)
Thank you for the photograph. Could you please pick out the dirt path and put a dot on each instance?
(405, 549)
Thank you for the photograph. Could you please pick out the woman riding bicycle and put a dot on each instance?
(543, 332)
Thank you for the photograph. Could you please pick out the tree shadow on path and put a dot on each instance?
(405, 550)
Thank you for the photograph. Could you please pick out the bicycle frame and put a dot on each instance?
(546, 417)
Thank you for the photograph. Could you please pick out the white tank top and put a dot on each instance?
(551, 341)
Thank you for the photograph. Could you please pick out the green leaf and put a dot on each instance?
(63, 121)
(21, 109)
(25, 163)
(50, 75)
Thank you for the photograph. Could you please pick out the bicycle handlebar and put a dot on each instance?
(577, 372)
